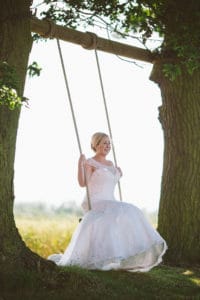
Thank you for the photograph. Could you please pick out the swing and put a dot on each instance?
(141, 248)
(94, 46)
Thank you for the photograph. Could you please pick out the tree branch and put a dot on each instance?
(48, 29)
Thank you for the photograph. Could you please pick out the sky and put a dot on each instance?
(47, 151)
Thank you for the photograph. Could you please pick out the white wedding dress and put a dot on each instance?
(113, 234)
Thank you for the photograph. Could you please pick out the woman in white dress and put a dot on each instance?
(113, 235)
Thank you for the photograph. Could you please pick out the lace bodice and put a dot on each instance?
(102, 182)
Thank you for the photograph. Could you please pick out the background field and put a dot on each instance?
(46, 230)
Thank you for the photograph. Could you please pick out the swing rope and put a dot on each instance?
(107, 117)
(93, 45)
(73, 115)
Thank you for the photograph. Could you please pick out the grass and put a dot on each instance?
(46, 236)
(74, 283)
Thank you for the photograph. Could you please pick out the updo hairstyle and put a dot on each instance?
(96, 139)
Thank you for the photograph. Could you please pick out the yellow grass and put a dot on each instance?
(46, 236)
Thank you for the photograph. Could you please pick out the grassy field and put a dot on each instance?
(50, 235)
(46, 235)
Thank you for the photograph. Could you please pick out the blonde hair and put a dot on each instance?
(96, 139)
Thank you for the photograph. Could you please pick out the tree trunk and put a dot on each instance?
(179, 210)
(16, 43)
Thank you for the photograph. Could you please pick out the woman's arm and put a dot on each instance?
(120, 171)
(84, 171)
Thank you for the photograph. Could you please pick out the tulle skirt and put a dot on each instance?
(113, 235)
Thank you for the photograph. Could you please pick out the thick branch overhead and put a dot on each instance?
(89, 40)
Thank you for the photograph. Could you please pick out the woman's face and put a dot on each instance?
(104, 146)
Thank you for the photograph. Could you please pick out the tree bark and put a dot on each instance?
(179, 217)
(16, 43)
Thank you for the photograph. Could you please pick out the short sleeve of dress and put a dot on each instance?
(91, 162)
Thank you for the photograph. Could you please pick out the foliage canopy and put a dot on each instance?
(176, 22)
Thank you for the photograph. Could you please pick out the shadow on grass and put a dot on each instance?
(162, 282)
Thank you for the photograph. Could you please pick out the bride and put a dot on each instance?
(112, 235)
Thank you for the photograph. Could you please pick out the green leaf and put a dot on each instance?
(171, 71)
(34, 69)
